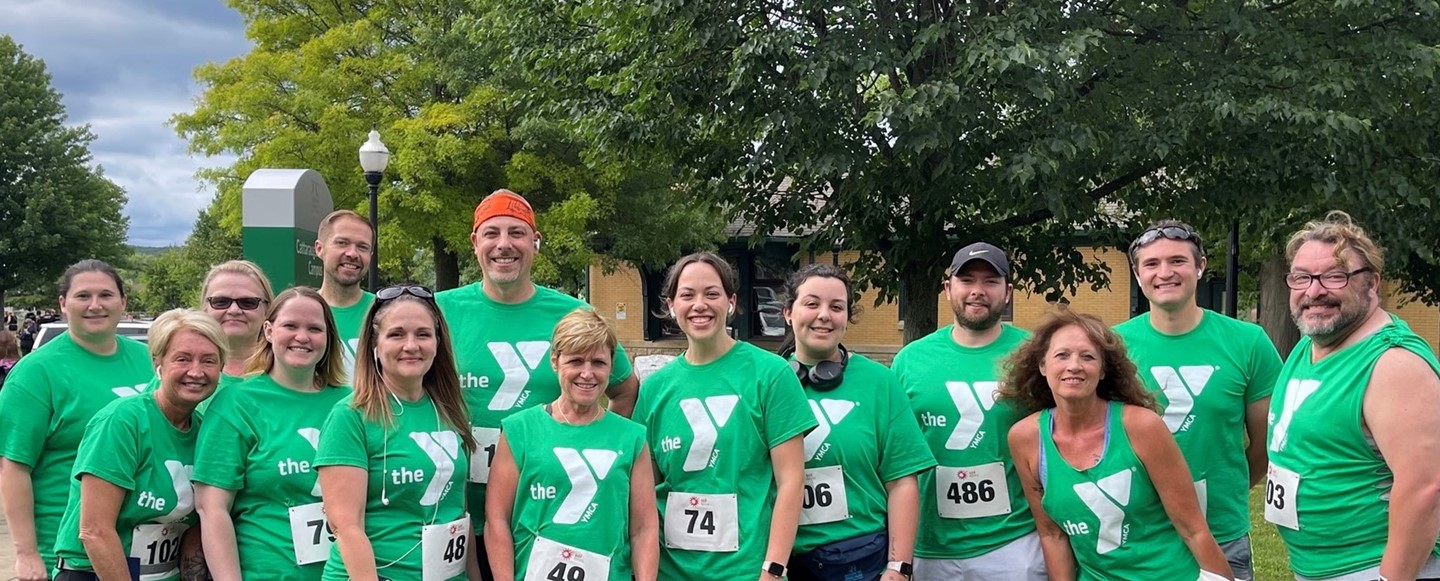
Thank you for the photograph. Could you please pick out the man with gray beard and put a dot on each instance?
(974, 521)
(1353, 483)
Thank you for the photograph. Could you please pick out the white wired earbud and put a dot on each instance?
(731, 311)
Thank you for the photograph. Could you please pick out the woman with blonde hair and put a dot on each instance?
(131, 503)
(1097, 457)
(614, 532)
(393, 456)
(255, 486)
(236, 293)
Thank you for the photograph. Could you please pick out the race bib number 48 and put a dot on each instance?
(443, 548)
(972, 491)
(702, 522)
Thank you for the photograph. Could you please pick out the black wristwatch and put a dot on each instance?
(776, 570)
(901, 567)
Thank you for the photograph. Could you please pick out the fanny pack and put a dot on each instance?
(852, 559)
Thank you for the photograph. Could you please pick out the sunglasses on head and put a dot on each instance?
(1167, 232)
(246, 303)
(394, 292)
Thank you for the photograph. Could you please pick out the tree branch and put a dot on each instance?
(1042, 214)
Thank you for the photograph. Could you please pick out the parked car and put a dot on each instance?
(137, 330)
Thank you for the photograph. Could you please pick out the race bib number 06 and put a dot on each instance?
(972, 491)
(702, 522)
(825, 499)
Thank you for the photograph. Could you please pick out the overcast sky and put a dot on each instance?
(124, 67)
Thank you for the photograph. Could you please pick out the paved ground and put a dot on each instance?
(7, 552)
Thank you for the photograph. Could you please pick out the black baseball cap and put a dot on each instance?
(992, 255)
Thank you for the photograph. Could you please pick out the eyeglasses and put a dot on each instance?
(393, 292)
(1331, 280)
(1168, 232)
(246, 303)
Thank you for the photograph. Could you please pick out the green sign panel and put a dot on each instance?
(282, 209)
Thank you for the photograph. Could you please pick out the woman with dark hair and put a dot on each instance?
(255, 486)
(1097, 457)
(393, 455)
(726, 421)
(131, 504)
(862, 500)
(49, 398)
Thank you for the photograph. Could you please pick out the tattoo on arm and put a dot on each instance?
(192, 568)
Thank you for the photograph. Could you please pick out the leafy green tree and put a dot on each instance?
(173, 278)
(55, 207)
(908, 129)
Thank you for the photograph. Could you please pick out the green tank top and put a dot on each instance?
(1111, 512)
(1328, 489)
(572, 499)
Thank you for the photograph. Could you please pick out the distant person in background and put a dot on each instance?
(28, 329)
(48, 399)
(9, 353)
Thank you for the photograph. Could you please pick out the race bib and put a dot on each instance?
(157, 547)
(702, 522)
(443, 548)
(1202, 493)
(486, 440)
(1281, 488)
(551, 560)
(310, 533)
(972, 491)
(825, 499)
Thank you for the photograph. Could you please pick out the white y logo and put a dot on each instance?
(1181, 387)
(127, 391)
(706, 429)
(972, 400)
(828, 413)
(1108, 501)
(585, 468)
(347, 362)
(1296, 392)
(443, 448)
(516, 362)
(184, 493)
(312, 436)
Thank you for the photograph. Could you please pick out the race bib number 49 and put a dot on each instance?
(702, 522)
(972, 491)
(552, 561)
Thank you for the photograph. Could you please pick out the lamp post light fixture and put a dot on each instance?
(373, 159)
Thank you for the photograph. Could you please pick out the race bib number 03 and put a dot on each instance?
(310, 533)
(972, 491)
(1281, 488)
(486, 439)
(552, 561)
(825, 499)
(443, 548)
(157, 547)
(702, 522)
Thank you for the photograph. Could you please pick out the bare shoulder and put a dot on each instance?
(1026, 430)
(1403, 381)
(1142, 421)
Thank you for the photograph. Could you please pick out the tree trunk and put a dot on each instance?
(921, 293)
(447, 266)
(2, 303)
(1274, 305)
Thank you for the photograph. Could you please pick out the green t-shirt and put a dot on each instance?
(130, 444)
(347, 325)
(711, 428)
(259, 441)
(866, 437)
(1111, 512)
(573, 494)
(1328, 491)
(48, 399)
(418, 465)
(972, 503)
(1205, 379)
(503, 355)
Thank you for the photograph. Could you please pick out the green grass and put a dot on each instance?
(1266, 548)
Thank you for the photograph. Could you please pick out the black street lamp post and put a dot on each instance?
(373, 159)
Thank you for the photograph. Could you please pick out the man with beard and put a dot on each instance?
(501, 328)
(974, 521)
(1354, 485)
(1213, 375)
(344, 247)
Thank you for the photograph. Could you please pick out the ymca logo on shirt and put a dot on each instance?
(517, 361)
(585, 469)
(705, 419)
(972, 400)
(828, 414)
(184, 494)
(291, 466)
(1296, 392)
(124, 391)
(443, 449)
(1182, 386)
(1107, 498)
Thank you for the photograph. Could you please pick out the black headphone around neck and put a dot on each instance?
(823, 376)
